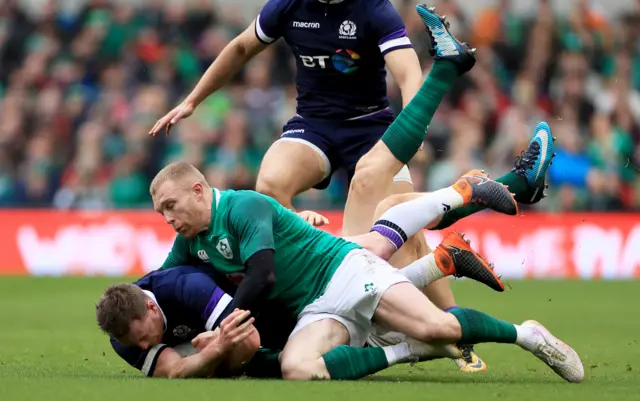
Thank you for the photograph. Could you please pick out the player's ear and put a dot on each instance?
(197, 189)
(151, 306)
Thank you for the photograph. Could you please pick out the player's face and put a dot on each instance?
(184, 207)
(148, 331)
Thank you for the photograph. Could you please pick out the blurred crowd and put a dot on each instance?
(79, 92)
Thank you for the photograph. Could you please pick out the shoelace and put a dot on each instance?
(466, 349)
(527, 158)
(553, 357)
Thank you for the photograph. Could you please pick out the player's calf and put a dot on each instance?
(373, 181)
(304, 369)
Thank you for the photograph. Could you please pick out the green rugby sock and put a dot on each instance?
(478, 327)
(517, 184)
(405, 135)
(350, 363)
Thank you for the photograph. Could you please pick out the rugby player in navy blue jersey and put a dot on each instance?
(153, 321)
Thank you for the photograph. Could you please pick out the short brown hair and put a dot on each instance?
(118, 307)
(178, 171)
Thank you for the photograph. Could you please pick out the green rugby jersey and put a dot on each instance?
(245, 222)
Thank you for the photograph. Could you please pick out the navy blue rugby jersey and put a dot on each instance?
(339, 49)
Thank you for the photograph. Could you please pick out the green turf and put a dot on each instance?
(50, 349)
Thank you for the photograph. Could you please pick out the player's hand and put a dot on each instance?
(201, 341)
(183, 110)
(235, 328)
(313, 218)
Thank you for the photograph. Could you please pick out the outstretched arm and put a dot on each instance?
(232, 58)
(235, 55)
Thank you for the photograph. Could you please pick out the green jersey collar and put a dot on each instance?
(214, 208)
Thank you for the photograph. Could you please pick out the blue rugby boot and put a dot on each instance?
(444, 46)
(533, 163)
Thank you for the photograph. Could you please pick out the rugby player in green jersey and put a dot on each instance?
(333, 286)
(379, 167)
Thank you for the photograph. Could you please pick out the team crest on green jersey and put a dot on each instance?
(224, 248)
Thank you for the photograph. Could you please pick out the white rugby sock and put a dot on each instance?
(398, 353)
(527, 337)
(404, 220)
(423, 271)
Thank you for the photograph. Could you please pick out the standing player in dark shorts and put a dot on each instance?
(341, 50)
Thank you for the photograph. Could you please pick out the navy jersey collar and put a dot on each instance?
(331, 1)
(153, 298)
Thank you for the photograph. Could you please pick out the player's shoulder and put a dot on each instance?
(158, 281)
(378, 11)
(246, 198)
(372, 6)
(282, 6)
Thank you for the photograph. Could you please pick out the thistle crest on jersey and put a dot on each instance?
(181, 331)
(347, 30)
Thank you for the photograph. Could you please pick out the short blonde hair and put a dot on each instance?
(179, 172)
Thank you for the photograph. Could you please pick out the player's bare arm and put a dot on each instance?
(235, 55)
(404, 65)
(234, 345)
(245, 345)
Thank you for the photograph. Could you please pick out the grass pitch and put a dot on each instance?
(51, 349)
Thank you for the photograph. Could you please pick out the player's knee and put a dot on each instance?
(366, 177)
(302, 369)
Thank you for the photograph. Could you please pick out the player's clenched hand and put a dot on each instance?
(183, 110)
(235, 328)
(315, 219)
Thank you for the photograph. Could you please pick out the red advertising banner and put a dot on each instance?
(587, 246)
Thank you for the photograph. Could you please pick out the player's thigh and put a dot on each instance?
(290, 167)
(403, 308)
(301, 358)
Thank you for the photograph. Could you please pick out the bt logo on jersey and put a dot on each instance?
(314, 61)
(343, 60)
